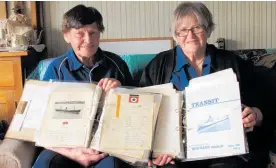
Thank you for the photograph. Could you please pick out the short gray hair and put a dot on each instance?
(204, 16)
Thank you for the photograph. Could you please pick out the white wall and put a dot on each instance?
(244, 25)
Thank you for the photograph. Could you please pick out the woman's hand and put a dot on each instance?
(109, 83)
(84, 156)
(161, 160)
(251, 116)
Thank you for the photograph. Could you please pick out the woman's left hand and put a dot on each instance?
(109, 83)
(249, 117)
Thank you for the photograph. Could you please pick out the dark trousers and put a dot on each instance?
(50, 159)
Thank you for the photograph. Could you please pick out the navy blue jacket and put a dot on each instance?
(106, 65)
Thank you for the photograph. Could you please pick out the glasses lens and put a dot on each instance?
(197, 29)
(183, 33)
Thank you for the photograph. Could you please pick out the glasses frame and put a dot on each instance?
(186, 31)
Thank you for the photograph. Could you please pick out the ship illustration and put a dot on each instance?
(214, 124)
(67, 110)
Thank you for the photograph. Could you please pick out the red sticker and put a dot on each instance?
(133, 99)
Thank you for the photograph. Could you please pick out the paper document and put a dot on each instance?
(130, 125)
(214, 118)
(36, 106)
(67, 120)
(169, 121)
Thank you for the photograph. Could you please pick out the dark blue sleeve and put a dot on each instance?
(51, 73)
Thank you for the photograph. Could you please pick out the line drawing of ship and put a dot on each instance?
(214, 125)
(66, 110)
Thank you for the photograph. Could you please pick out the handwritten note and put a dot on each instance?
(133, 129)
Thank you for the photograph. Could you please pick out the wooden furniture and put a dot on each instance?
(3, 10)
(10, 83)
(33, 14)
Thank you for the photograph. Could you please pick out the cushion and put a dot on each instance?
(39, 71)
(136, 63)
(259, 57)
(16, 154)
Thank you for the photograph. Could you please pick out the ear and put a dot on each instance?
(66, 37)
(208, 33)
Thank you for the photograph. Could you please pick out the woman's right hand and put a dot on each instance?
(161, 160)
(84, 156)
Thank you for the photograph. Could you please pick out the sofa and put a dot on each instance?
(19, 154)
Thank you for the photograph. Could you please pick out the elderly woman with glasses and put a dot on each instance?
(192, 25)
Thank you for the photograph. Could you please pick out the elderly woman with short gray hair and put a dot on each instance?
(192, 25)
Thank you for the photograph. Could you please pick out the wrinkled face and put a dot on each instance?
(192, 42)
(84, 41)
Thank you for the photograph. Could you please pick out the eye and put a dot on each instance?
(79, 34)
(184, 30)
(92, 33)
(197, 27)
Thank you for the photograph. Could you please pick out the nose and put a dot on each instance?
(87, 38)
(190, 34)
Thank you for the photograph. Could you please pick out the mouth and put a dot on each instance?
(89, 46)
(194, 41)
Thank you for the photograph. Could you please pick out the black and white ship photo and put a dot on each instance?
(68, 109)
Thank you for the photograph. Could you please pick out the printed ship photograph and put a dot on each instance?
(215, 124)
(68, 109)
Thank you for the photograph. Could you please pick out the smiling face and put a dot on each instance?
(193, 42)
(84, 41)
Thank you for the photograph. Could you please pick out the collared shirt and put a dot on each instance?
(184, 72)
(106, 65)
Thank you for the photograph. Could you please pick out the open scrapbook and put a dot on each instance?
(135, 124)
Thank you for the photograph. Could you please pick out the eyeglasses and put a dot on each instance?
(195, 30)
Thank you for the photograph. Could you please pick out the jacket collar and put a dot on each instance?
(181, 59)
(170, 60)
(75, 64)
(211, 50)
